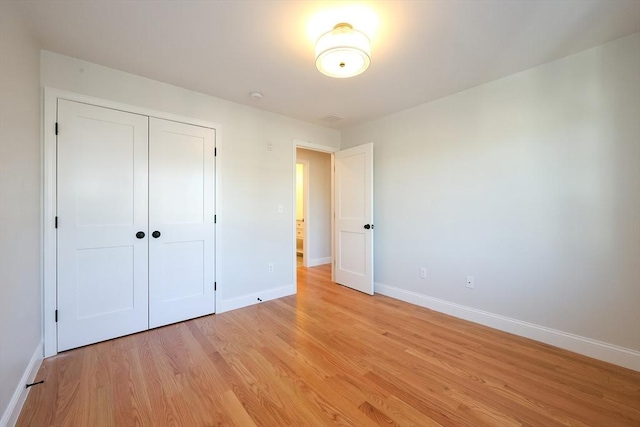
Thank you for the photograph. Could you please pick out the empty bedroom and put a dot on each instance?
(314, 213)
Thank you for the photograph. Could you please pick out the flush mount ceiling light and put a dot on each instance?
(343, 52)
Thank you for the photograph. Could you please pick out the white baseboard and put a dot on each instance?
(598, 350)
(318, 261)
(11, 414)
(250, 299)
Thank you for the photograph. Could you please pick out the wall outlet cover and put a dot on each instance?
(470, 282)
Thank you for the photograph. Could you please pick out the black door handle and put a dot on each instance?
(140, 234)
(367, 226)
(156, 234)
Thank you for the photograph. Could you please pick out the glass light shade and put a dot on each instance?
(343, 52)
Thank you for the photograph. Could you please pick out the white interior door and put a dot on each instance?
(181, 209)
(102, 205)
(354, 218)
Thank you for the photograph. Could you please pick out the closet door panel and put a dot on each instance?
(181, 209)
(102, 204)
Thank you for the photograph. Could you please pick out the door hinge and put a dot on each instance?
(215, 219)
(56, 128)
(215, 286)
(55, 223)
(56, 316)
(215, 151)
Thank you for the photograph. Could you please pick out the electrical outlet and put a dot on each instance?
(471, 282)
(270, 267)
(423, 273)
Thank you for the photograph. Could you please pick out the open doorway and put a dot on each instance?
(313, 208)
(349, 227)
(302, 202)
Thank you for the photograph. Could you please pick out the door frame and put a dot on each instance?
(297, 143)
(49, 271)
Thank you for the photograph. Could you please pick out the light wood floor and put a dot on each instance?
(329, 356)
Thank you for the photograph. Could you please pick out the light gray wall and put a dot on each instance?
(530, 183)
(319, 216)
(253, 180)
(20, 303)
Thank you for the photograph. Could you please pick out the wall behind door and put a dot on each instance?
(319, 224)
(253, 180)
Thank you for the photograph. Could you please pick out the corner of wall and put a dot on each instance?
(11, 414)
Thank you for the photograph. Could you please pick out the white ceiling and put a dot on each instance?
(421, 50)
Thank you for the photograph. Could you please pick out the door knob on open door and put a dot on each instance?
(156, 234)
(367, 226)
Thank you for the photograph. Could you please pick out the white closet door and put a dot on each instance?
(181, 209)
(102, 204)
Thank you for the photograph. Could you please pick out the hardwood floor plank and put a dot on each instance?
(317, 393)
(426, 400)
(376, 415)
(329, 356)
(359, 389)
(237, 413)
